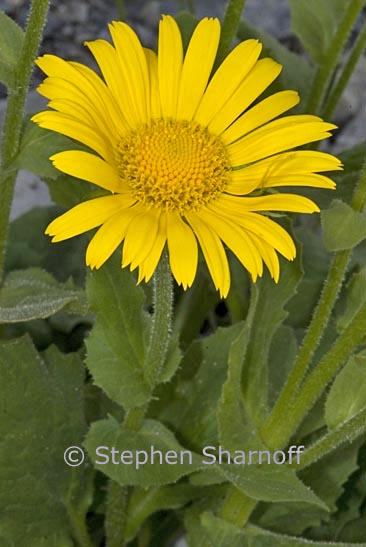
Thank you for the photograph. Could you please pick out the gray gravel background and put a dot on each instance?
(71, 22)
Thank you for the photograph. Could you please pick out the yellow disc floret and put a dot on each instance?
(175, 165)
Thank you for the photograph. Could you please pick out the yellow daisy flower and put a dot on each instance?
(180, 153)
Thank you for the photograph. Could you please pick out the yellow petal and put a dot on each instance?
(148, 266)
(273, 202)
(107, 58)
(236, 239)
(240, 187)
(226, 80)
(170, 59)
(85, 166)
(152, 64)
(278, 136)
(260, 225)
(133, 69)
(214, 253)
(115, 117)
(109, 236)
(140, 237)
(197, 66)
(262, 113)
(269, 256)
(285, 166)
(85, 216)
(183, 250)
(69, 80)
(66, 125)
(259, 78)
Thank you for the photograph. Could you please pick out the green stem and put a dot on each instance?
(14, 116)
(191, 6)
(154, 362)
(347, 72)
(237, 507)
(115, 522)
(318, 380)
(79, 530)
(230, 26)
(347, 432)
(318, 323)
(162, 321)
(324, 72)
(121, 10)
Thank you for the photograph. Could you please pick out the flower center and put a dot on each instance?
(175, 165)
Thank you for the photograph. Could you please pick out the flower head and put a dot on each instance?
(181, 153)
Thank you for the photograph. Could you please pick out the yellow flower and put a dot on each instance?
(178, 152)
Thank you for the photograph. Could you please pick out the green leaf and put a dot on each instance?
(343, 227)
(36, 147)
(29, 246)
(315, 23)
(146, 501)
(269, 483)
(191, 410)
(347, 395)
(11, 42)
(296, 72)
(282, 355)
(257, 537)
(42, 414)
(69, 191)
(328, 476)
(315, 263)
(269, 315)
(355, 297)
(236, 429)
(291, 518)
(116, 346)
(35, 294)
(141, 447)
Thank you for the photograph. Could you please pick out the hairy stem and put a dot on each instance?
(14, 116)
(347, 432)
(325, 71)
(347, 72)
(317, 326)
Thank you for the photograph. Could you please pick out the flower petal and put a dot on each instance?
(213, 252)
(85, 216)
(262, 113)
(273, 202)
(107, 59)
(81, 85)
(148, 266)
(286, 169)
(236, 239)
(66, 125)
(133, 69)
(183, 250)
(259, 78)
(109, 236)
(152, 65)
(197, 66)
(226, 80)
(85, 166)
(140, 237)
(260, 225)
(269, 256)
(278, 136)
(170, 59)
